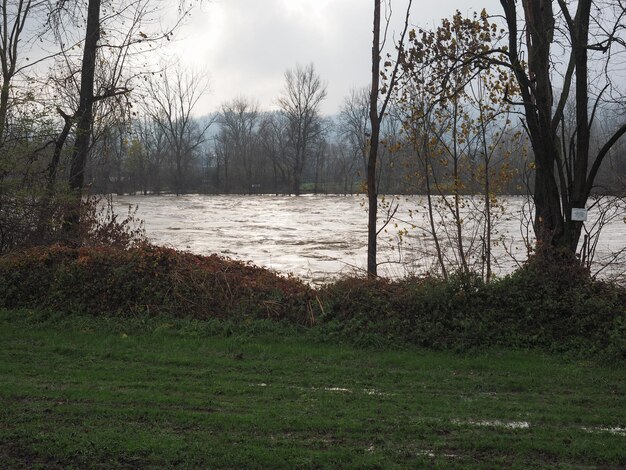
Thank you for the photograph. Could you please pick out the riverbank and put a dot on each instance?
(544, 305)
(143, 391)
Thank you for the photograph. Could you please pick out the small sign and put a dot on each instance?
(579, 214)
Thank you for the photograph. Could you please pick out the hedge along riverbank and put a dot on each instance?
(543, 305)
(152, 280)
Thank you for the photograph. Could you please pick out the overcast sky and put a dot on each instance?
(246, 45)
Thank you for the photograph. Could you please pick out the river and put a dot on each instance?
(321, 237)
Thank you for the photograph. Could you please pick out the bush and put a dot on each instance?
(30, 218)
(105, 281)
(548, 306)
(427, 312)
(557, 307)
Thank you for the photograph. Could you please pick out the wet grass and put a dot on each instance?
(85, 392)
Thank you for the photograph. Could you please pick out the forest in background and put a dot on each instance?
(243, 149)
(147, 137)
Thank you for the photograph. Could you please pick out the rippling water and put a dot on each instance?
(317, 237)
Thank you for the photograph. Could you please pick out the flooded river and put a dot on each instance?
(320, 237)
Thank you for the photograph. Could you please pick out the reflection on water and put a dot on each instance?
(316, 237)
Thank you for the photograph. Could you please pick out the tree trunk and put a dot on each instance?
(4, 107)
(431, 214)
(580, 38)
(554, 200)
(372, 190)
(297, 172)
(376, 116)
(296, 183)
(85, 112)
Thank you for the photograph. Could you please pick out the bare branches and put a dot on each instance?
(14, 16)
(300, 103)
(377, 115)
(173, 96)
(597, 163)
(396, 68)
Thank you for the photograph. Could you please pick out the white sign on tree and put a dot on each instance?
(579, 214)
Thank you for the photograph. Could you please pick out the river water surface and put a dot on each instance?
(319, 238)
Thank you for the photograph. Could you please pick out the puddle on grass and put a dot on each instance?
(495, 423)
(617, 430)
(366, 391)
(374, 392)
(430, 453)
(425, 453)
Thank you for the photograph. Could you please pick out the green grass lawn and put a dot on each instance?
(84, 392)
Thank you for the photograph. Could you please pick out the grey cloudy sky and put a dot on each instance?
(246, 45)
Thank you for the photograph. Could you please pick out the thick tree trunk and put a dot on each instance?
(554, 200)
(578, 196)
(85, 112)
(548, 224)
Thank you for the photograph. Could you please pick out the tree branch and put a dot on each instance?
(601, 155)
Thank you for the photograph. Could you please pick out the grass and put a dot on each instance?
(87, 392)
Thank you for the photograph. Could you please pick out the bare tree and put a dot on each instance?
(239, 121)
(172, 99)
(300, 102)
(354, 123)
(113, 36)
(273, 140)
(343, 163)
(591, 39)
(84, 113)
(14, 16)
(154, 145)
(377, 113)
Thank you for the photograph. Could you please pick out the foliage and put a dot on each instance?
(28, 219)
(103, 281)
(18, 219)
(548, 304)
(101, 225)
(428, 312)
(553, 303)
(457, 130)
(560, 310)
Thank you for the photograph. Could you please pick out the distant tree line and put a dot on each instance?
(242, 149)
